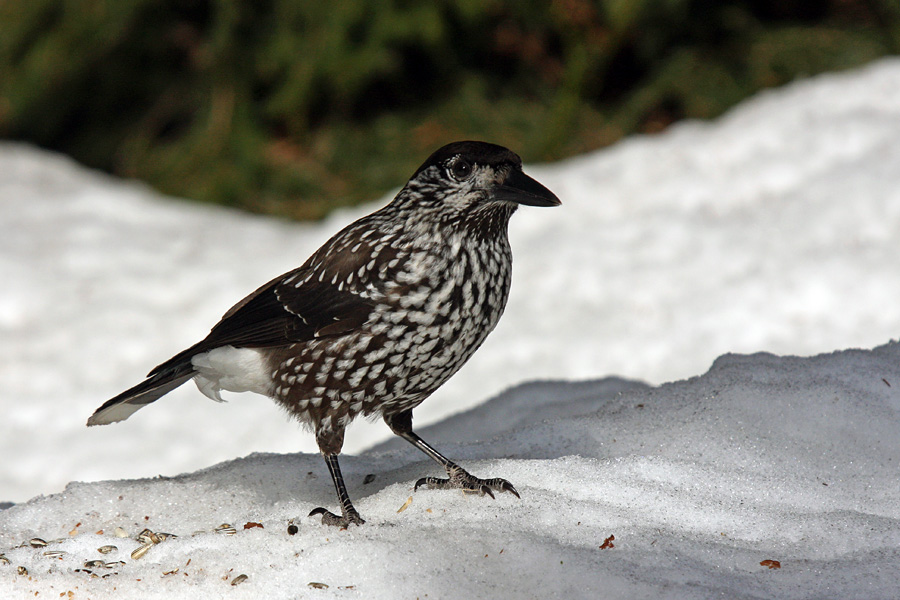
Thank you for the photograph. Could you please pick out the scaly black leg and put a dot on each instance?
(458, 478)
(348, 513)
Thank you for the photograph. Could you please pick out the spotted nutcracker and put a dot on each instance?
(377, 319)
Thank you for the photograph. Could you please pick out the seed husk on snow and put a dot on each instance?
(141, 551)
(152, 537)
(107, 549)
(239, 579)
(405, 505)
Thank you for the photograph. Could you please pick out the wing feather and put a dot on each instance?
(313, 301)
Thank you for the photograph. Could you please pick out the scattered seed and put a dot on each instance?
(172, 572)
(226, 528)
(293, 529)
(55, 553)
(369, 478)
(150, 537)
(107, 549)
(251, 525)
(405, 505)
(3, 559)
(239, 579)
(141, 551)
(772, 564)
(317, 585)
(114, 564)
(608, 543)
(37, 543)
(21, 570)
(121, 533)
(164, 536)
(94, 564)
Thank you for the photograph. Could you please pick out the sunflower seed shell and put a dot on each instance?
(141, 551)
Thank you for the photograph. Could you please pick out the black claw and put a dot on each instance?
(508, 487)
(486, 490)
(502, 485)
(432, 482)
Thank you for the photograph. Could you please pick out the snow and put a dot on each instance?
(763, 458)
(775, 228)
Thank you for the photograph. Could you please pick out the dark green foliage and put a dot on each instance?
(290, 107)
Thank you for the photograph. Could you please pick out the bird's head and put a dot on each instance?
(473, 182)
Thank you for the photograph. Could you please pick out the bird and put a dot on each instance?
(377, 319)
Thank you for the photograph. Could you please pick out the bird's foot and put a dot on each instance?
(343, 521)
(460, 479)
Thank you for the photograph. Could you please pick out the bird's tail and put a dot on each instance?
(159, 383)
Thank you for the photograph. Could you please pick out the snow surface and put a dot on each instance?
(775, 228)
(762, 459)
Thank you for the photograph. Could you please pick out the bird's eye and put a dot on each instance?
(460, 169)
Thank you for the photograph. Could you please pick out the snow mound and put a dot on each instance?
(774, 228)
(685, 490)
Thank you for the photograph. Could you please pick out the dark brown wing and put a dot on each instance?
(333, 293)
(307, 303)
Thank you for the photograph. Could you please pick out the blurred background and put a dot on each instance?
(294, 108)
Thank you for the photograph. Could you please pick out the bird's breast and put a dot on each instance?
(426, 323)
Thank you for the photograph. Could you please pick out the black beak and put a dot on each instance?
(522, 189)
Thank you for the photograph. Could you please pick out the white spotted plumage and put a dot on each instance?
(378, 318)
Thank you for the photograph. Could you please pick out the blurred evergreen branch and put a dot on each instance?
(291, 107)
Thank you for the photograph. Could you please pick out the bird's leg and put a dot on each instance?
(458, 478)
(348, 515)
